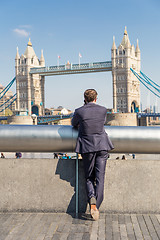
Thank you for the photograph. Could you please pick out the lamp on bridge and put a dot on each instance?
(33, 116)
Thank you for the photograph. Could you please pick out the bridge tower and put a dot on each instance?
(29, 87)
(126, 87)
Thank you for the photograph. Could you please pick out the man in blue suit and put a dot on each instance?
(93, 144)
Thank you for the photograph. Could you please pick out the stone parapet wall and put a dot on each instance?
(22, 120)
(121, 119)
(49, 185)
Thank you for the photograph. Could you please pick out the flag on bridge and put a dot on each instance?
(58, 60)
(79, 58)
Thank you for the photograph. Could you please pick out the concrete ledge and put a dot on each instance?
(49, 185)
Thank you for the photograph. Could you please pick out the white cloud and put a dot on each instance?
(21, 32)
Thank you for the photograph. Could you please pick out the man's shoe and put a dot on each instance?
(94, 212)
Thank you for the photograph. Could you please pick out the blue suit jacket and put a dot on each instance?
(90, 120)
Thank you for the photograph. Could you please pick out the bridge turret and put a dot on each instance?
(17, 61)
(138, 55)
(42, 61)
(17, 55)
(113, 52)
(113, 58)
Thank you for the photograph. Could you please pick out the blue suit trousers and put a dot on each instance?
(94, 167)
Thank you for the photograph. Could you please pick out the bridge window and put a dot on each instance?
(22, 105)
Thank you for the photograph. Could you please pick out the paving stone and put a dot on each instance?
(64, 236)
(129, 227)
(115, 227)
(101, 229)
(156, 224)
(94, 231)
(15, 230)
(9, 225)
(51, 230)
(123, 232)
(136, 227)
(67, 227)
(150, 227)
(86, 236)
(158, 217)
(56, 236)
(108, 225)
(121, 219)
(143, 227)
(30, 231)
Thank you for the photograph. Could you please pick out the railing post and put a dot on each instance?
(77, 190)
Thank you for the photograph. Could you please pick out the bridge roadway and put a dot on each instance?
(51, 118)
(73, 68)
(56, 226)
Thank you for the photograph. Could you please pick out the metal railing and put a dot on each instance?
(52, 118)
(59, 138)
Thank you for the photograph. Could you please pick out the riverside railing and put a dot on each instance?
(59, 138)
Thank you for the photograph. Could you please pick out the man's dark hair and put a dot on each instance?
(90, 95)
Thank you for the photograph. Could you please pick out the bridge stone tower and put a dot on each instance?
(30, 88)
(126, 87)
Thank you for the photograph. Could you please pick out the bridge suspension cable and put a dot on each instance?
(13, 98)
(5, 90)
(145, 80)
(148, 79)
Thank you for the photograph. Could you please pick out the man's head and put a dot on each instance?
(90, 95)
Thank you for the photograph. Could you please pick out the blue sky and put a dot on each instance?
(87, 26)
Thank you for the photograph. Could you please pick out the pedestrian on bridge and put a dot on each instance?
(2, 155)
(93, 144)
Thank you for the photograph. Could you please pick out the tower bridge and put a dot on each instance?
(31, 72)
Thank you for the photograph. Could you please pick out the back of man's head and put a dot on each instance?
(90, 95)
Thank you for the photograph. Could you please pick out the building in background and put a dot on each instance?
(59, 111)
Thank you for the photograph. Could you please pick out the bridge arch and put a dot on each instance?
(134, 107)
(35, 110)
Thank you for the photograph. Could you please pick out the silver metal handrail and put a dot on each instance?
(59, 138)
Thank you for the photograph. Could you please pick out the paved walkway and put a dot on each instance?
(47, 226)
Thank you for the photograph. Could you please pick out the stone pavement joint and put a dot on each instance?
(62, 226)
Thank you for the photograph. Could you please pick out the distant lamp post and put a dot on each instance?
(33, 116)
